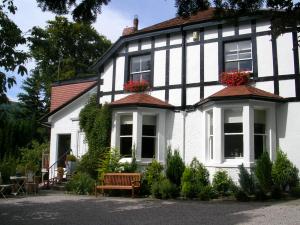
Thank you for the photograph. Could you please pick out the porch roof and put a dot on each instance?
(241, 92)
(141, 99)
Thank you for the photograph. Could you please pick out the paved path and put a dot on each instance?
(56, 208)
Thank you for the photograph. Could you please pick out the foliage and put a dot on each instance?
(12, 58)
(174, 167)
(194, 179)
(241, 195)
(64, 50)
(153, 172)
(130, 167)
(136, 86)
(81, 183)
(8, 167)
(295, 192)
(109, 162)
(246, 180)
(284, 173)
(82, 11)
(71, 158)
(206, 193)
(89, 164)
(187, 8)
(222, 183)
(235, 78)
(163, 189)
(263, 172)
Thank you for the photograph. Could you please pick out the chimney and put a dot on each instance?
(131, 30)
(136, 23)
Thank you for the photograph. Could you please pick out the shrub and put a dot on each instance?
(81, 183)
(8, 168)
(263, 172)
(246, 181)
(71, 158)
(222, 183)
(206, 193)
(174, 167)
(153, 172)
(295, 192)
(194, 178)
(240, 195)
(130, 167)
(276, 192)
(164, 189)
(284, 173)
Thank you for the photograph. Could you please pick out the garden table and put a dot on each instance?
(19, 184)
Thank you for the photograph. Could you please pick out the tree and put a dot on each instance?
(64, 50)
(11, 58)
(83, 11)
(186, 8)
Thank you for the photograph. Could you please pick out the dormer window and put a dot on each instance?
(238, 56)
(140, 68)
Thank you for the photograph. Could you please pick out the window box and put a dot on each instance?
(136, 86)
(235, 78)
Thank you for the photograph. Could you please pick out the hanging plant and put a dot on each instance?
(235, 78)
(136, 86)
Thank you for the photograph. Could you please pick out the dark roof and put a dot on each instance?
(242, 92)
(141, 99)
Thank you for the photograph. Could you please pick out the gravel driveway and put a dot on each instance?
(58, 208)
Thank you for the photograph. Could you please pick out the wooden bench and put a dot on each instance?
(119, 181)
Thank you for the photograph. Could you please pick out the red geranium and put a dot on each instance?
(235, 78)
(136, 86)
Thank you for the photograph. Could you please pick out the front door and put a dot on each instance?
(64, 145)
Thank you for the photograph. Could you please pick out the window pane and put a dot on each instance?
(246, 65)
(233, 146)
(146, 62)
(259, 145)
(259, 128)
(126, 129)
(125, 146)
(231, 66)
(244, 45)
(148, 147)
(149, 130)
(230, 47)
(135, 64)
(246, 54)
(145, 76)
(136, 77)
(231, 56)
(233, 128)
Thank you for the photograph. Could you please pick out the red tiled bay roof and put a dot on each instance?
(242, 92)
(141, 99)
(62, 94)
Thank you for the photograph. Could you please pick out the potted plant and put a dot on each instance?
(235, 78)
(60, 173)
(136, 86)
(20, 170)
(70, 163)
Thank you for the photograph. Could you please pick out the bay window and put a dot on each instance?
(125, 135)
(259, 132)
(148, 136)
(210, 133)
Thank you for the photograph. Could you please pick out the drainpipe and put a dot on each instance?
(184, 113)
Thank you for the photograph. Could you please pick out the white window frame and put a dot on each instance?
(124, 136)
(141, 71)
(146, 136)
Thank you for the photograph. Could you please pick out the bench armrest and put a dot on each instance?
(135, 181)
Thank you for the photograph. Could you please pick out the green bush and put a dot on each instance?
(284, 173)
(174, 167)
(295, 192)
(163, 189)
(246, 180)
(194, 178)
(263, 172)
(206, 193)
(8, 168)
(222, 183)
(153, 172)
(81, 183)
(240, 195)
(276, 192)
(130, 167)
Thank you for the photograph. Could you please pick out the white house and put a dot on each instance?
(188, 108)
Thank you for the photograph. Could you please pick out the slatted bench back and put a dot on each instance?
(121, 179)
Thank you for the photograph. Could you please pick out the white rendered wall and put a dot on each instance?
(107, 77)
(211, 67)
(288, 126)
(192, 95)
(287, 88)
(193, 64)
(209, 90)
(245, 28)
(175, 39)
(159, 68)
(158, 94)
(120, 64)
(175, 97)
(133, 46)
(264, 56)
(210, 33)
(160, 42)
(175, 66)
(266, 86)
(285, 54)
(146, 44)
(228, 30)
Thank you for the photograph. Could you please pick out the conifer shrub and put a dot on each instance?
(246, 181)
(153, 174)
(295, 192)
(222, 183)
(194, 179)
(81, 183)
(163, 189)
(284, 173)
(174, 167)
(263, 173)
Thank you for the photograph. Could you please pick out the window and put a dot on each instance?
(238, 56)
(148, 136)
(140, 68)
(233, 133)
(126, 135)
(259, 132)
(210, 140)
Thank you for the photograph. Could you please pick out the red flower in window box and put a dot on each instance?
(136, 86)
(235, 78)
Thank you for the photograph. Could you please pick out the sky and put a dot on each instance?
(114, 17)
